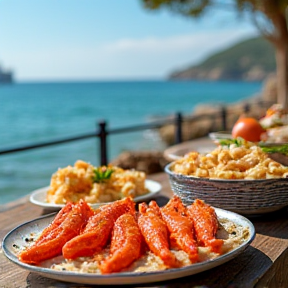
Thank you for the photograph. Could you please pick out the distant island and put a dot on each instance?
(249, 60)
(5, 76)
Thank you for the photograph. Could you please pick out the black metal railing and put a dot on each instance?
(102, 131)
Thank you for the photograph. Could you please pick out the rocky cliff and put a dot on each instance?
(249, 60)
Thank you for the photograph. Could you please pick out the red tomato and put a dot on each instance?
(249, 129)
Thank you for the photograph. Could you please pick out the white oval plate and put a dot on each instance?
(38, 197)
(220, 135)
(17, 236)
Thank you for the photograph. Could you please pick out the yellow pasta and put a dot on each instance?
(231, 162)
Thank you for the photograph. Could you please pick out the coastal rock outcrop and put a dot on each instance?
(248, 60)
(147, 161)
(195, 126)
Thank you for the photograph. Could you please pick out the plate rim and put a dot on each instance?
(42, 190)
(213, 135)
(131, 277)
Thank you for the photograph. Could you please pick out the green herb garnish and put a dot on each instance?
(227, 142)
(267, 148)
(102, 174)
(283, 149)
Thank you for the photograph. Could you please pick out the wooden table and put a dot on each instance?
(263, 264)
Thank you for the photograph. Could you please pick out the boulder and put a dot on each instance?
(147, 161)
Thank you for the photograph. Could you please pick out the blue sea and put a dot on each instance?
(39, 112)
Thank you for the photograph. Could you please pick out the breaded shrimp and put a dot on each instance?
(98, 230)
(155, 233)
(68, 223)
(205, 225)
(180, 227)
(125, 244)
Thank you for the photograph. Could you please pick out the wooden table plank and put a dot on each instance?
(277, 275)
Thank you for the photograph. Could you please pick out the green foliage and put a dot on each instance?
(194, 8)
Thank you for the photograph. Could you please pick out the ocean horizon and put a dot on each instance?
(34, 112)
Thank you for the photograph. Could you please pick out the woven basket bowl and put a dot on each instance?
(247, 197)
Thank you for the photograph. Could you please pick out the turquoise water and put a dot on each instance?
(37, 112)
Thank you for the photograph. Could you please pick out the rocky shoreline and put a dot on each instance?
(196, 126)
(249, 60)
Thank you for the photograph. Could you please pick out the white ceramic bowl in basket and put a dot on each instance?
(248, 197)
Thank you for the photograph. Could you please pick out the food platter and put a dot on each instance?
(15, 239)
(243, 196)
(38, 197)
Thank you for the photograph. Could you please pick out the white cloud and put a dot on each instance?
(124, 58)
(154, 45)
(199, 43)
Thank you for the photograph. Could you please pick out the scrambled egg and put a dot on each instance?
(73, 183)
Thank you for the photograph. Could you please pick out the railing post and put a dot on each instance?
(224, 118)
(247, 108)
(103, 143)
(178, 128)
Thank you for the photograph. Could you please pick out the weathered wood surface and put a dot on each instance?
(263, 264)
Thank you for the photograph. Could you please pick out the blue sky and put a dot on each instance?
(44, 40)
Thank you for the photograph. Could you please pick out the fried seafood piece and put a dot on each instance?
(49, 232)
(125, 244)
(180, 226)
(155, 233)
(205, 225)
(68, 223)
(98, 229)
